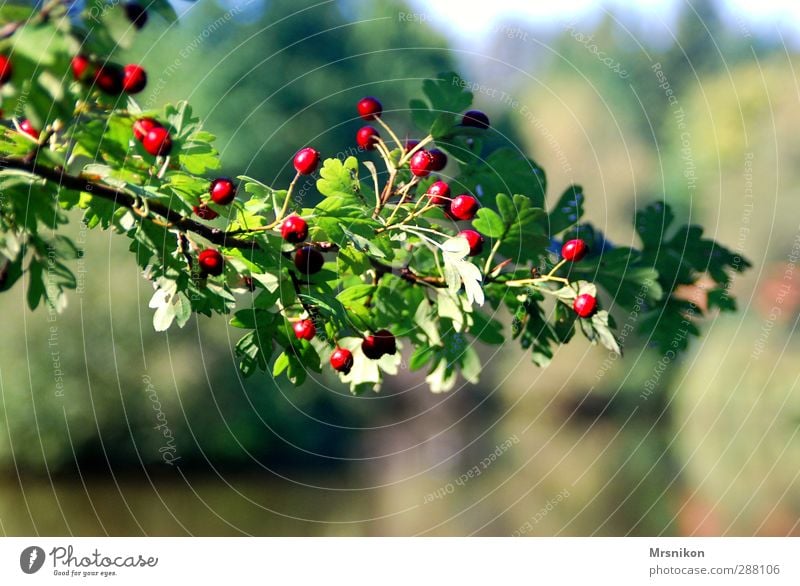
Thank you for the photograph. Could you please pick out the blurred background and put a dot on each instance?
(107, 428)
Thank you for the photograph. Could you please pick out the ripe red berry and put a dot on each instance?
(308, 260)
(439, 193)
(136, 13)
(370, 347)
(222, 191)
(342, 360)
(134, 78)
(475, 119)
(294, 229)
(421, 163)
(463, 207)
(439, 159)
(26, 127)
(369, 108)
(211, 262)
(81, 67)
(304, 329)
(204, 212)
(6, 69)
(386, 341)
(157, 141)
(366, 137)
(306, 161)
(574, 250)
(585, 305)
(475, 241)
(142, 126)
(108, 78)
(410, 143)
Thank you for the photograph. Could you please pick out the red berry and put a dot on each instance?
(109, 79)
(136, 13)
(410, 144)
(475, 119)
(574, 250)
(386, 341)
(439, 159)
(157, 141)
(306, 161)
(134, 78)
(369, 108)
(142, 126)
(222, 191)
(204, 212)
(211, 262)
(475, 241)
(26, 127)
(439, 193)
(5, 69)
(304, 329)
(81, 67)
(421, 163)
(294, 229)
(308, 260)
(366, 137)
(371, 348)
(342, 360)
(463, 207)
(585, 305)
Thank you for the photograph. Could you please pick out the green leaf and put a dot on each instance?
(339, 179)
(489, 223)
(568, 210)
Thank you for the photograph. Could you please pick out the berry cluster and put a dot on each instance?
(109, 78)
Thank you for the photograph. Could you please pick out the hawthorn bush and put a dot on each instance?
(415, 248)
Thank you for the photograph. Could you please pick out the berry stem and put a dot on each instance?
(560, 264)
(407, 157)
(282, 213)
(391, 133)
(492, 252)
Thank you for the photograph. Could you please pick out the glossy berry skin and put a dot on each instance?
(371, 347)
(342, 360)
(475, 241)
(366, 137)
(204, 212)
(134, 78)
(308, 260)
(142, 126)
(463, 207)
(439, 159)
(157, 141)
(6, 69)
(81, 67)
(410, 143)
(108, 79)
(294, 229)
(439, 193)
(369, 108)
(26, 127)
(574, 250)
(211, 262)
(475, 119)
(304, 329)
(306, 161)
(137, 14)
(585, 305)
(222, 191)
(421, 163)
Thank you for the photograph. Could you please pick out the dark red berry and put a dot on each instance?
(157, 141)
(304, 329)
(475, 241)
(81, 67)
(342, 360)
(308, 260)
(421, 163)
(574, 250)
(306, 161)
(6, 69)
(371, 348)
(439, 193)
(475, 119)
(136, 13)
(585, 305)
(142, 126)
(366, 137)
(134, 78)
(211, 262)
(108, 79)
(410, 144)
(463, 207)
(222, 191)
(26, 127)
(386, 341)
(204, 212)
(439, 160)
(369, 108)
(294, 229)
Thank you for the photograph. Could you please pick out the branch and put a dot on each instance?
(126, 200)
